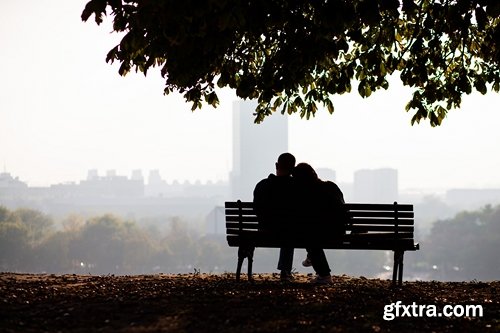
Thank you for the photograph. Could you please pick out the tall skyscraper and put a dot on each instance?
(256, 147)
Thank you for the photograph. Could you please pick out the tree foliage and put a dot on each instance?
(37, 224)
(466, 247)
(108, 244)
(294, 56)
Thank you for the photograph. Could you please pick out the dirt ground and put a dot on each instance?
(217, 303)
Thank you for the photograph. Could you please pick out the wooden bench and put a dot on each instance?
(371, 227)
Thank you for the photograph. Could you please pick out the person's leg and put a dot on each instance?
(285, 261)
(307, 261)
(319, 262)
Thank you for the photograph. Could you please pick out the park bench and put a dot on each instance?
(371, 227)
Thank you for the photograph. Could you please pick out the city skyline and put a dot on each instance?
(326, 174)
(110, 192)
(64, 110)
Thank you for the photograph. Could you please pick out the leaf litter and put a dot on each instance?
(217, 303)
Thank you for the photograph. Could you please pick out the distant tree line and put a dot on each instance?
(106, 244)
(465, 247)
(461, 248)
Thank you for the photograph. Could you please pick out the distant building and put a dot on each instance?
(111, 173)
(109, 186)
(7, 181)
(116, 194)
(156, 185)
(137, 175)
(326, 174)
(347, 190)
(215, 221)
(377, 185)
(154, 177)
(92, 174)
(10, 186)
(256, 147)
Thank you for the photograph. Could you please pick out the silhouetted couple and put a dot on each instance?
(296, 205)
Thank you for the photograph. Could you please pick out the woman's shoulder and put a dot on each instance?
(331, 189)
(329, 184)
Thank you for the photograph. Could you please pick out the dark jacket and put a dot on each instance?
(321, 209)
(273, 199)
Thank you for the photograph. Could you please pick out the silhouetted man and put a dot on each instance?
(273, 200)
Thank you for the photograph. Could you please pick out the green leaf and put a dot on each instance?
(383, 70)
(212, 99)
(480, 85)
(362, 89)
(496, 86)
(329, 106)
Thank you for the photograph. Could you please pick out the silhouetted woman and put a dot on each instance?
(321, 215)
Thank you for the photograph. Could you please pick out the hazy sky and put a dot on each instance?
(63, 110)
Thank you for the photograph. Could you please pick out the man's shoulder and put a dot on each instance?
(273, 188)
(262, 188)
(266, 181)
(273, 180)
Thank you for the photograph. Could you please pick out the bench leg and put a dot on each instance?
(400, 277)
(250, 263)
(241, 258)
(245, 252)
(397, 273)
(395, 269)
(250, 253)
(238, 268)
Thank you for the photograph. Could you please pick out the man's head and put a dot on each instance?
(285, 164)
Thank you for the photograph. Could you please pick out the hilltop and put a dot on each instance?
(217, 303)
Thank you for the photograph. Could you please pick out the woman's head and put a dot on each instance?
(304, 172)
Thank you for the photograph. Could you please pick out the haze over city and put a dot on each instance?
(103, 174)
(64, 110)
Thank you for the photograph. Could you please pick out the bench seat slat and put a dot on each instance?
(377, 214)
(244, 219)
(236, 211)
(237, 204)
(382, 221)
(368, 228)
(253, 233)
(403, 243)
(364, 220)
(236, 225)
(354, 214)
(357, 230)
(379, 207)
(247, 235)
(365, 226)
(349, 206)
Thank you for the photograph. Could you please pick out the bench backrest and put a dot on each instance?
(377, 224)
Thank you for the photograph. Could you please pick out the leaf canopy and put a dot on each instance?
(293, 56)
